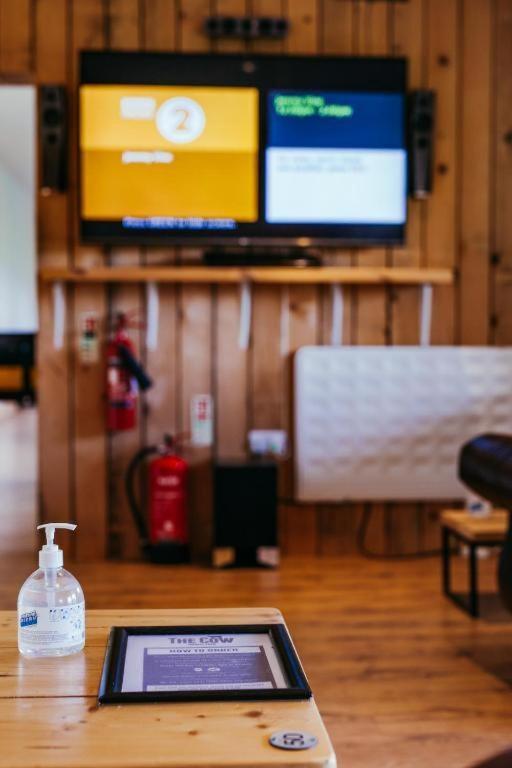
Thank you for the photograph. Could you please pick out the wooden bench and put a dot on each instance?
(473, 532)
(49, 716)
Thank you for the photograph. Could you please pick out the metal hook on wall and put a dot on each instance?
(59, 314)
(337, 315)
(244, 335)
(425, 314)
(152, 312)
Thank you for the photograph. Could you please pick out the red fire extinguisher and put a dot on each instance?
(164, 531)
(125, 376)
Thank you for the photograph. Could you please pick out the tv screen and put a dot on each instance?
(240, 149)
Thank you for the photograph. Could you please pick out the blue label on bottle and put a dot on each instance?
(28, 619)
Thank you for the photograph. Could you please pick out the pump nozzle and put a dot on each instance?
(50, 556)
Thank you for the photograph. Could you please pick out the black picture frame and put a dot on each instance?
(110, 690)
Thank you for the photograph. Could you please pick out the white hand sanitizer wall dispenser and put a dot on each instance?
(51, 606)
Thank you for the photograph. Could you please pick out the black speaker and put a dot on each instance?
(53, 126)
(421, 119)
(245, 514)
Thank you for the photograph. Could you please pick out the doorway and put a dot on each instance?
(18, 318)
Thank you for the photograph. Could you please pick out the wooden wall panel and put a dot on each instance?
(372, 27)
(54, 391)
(336, 524)
(196, 309)
(409, 38)
(90, 470)
(460, 48)
(475, 172)
(337, 27)
(303, 310)
(337, 36)
(50, 53)
(372, 36)
(124, 24)
(160, 23)
(301, 321)
(123, 31)
(231, 379)
(269, 346)
(17, 40)
(402, 522)
(443, 25)
(501, 316)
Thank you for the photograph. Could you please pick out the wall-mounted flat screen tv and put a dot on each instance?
(241, 149)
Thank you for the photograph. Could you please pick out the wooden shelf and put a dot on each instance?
(275, 275)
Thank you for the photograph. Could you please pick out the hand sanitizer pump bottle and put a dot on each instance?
(51, 606)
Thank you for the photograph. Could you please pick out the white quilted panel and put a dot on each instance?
(388, 422)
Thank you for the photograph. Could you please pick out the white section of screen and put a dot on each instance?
(137, 107)
(133, 666)
(18, 304)
(335, 186)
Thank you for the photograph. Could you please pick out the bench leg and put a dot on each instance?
(473, 581)
(470, 604)
(446, 554)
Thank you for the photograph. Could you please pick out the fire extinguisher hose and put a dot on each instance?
(134, 367)
(130, 478)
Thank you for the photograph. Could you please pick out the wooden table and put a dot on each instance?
(473, 532)
(49, 715)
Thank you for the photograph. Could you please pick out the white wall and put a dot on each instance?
(18, 304)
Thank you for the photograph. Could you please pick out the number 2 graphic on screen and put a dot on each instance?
(182, 124)
(180, 120)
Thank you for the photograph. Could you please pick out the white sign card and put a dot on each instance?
(202, 662)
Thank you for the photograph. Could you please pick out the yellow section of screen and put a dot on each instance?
(208, 185)
(212, 174)
(231, 117)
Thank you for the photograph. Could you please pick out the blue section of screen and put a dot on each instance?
(327, 119)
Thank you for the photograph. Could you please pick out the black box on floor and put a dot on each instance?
(245, 513)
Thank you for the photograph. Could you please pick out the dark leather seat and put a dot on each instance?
(485, 466)
(503, 760)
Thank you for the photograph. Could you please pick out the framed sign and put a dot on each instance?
(201, 663)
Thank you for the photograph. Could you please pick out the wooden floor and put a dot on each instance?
(402, 677)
